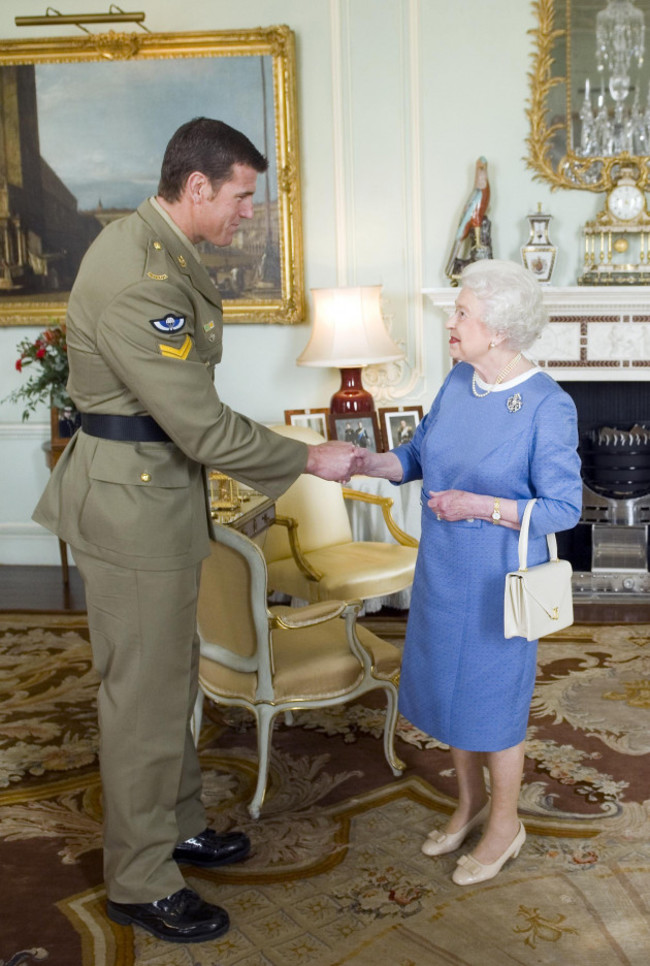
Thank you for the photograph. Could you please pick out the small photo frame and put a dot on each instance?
(362, 429)
(315, 419)
(398, 424)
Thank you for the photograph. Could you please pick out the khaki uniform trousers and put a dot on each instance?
(146, 650)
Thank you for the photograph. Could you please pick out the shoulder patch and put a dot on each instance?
(170, 323)
(172, 353)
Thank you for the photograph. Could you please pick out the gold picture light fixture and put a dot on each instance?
(53, 17)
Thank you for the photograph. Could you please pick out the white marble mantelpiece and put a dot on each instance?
(596, 333)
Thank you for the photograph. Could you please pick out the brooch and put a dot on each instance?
(514, 403)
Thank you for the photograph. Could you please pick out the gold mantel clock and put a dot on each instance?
(617, 242)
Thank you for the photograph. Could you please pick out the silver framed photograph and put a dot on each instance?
(315, 419)
(398, 424)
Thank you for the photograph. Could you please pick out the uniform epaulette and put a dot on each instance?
(156, 265)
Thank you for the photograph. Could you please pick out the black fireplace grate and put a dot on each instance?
(616, 462)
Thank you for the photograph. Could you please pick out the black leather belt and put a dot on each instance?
(131, 429)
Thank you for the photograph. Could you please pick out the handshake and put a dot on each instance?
(337, 461)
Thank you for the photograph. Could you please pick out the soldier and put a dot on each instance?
(144, 332)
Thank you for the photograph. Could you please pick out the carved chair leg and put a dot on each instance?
(265, 719)
(397, 766)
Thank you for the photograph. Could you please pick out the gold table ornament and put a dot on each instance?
(223, 492)
(617, 241)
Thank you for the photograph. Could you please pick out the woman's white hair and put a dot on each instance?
(511, 300)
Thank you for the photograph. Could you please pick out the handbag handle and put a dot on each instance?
(523, 538)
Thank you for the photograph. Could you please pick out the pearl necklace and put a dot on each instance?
(499, 379)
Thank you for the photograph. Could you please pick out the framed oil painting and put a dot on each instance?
(85, 122)
(398, 424)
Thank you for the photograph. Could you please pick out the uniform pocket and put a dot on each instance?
(138, 502)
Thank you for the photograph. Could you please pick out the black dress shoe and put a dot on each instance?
(208, 849)
(183, 917)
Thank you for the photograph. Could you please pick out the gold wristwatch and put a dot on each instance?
(496, 512)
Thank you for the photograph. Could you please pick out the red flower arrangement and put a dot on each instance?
(48, 385)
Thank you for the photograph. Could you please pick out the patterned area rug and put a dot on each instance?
(336, 876)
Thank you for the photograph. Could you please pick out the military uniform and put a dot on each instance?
(144, 331)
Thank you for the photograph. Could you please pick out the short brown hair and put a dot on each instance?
(209, 146)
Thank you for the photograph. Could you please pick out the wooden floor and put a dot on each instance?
(41, 589)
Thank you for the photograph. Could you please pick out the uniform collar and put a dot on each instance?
(178, 246)
(191, 247)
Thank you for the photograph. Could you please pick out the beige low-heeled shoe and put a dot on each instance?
(440, 843)
(469, 870)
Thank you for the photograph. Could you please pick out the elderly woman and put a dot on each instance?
(500, 431)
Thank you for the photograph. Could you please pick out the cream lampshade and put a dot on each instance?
(349, 332)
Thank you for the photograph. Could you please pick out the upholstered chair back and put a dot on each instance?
(317, 505)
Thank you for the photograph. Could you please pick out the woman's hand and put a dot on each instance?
(453, 505)
(384, 465)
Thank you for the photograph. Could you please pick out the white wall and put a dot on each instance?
(397, 99)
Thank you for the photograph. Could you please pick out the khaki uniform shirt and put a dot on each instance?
(144, 332)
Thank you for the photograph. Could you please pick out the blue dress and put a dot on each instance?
(462, 682)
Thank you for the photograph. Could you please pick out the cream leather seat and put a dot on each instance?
(282, 659)
(310, 552)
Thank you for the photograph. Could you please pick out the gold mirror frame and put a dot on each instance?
(571, 171)
(286, 303)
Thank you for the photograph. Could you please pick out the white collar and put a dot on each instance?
(510, 384)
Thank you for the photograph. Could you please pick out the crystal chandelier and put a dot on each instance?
(620, 49)
(620, 37)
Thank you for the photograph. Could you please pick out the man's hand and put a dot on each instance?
(333, 461)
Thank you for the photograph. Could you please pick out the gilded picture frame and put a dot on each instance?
(86, 121)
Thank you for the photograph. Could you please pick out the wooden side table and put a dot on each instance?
(256, 513)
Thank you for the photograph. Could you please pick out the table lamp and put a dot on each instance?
(349, 332)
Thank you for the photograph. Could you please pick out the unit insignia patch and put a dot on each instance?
(170, 323)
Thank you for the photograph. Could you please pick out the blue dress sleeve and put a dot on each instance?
(409, 453)
(554, 467)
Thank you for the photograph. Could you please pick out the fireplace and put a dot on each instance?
(609, 547)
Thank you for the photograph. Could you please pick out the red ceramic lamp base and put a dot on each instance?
(351, 398)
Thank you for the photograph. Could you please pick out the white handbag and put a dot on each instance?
(538, 600)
